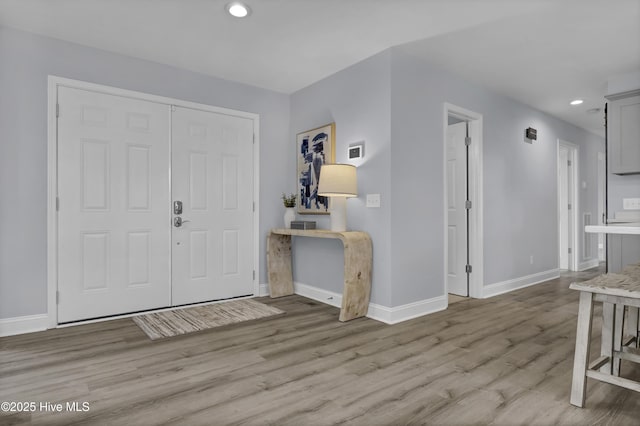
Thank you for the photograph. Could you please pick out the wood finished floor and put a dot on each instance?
(500, 361)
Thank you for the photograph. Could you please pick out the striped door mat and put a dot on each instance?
(179, 321)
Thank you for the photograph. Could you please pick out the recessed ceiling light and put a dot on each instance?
(239, 10)
(576, 102)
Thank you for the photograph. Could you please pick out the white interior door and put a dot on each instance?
(563, 212)
(456, 209)
(212, 176)
(114, 205)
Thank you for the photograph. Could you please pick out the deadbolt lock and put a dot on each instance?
(177, 207)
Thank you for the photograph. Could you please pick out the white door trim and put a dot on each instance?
(476, 278)
(573, 154)
(52, 173)
(602, 201)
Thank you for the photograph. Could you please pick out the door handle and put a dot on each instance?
(178, 222)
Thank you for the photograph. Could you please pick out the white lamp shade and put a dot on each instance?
(338, 180)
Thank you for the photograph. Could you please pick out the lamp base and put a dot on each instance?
(338, 214)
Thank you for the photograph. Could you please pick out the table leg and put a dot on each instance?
(358, 253)
(583, 343)
(279, 265)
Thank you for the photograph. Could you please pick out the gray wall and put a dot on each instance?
(392, 101)
(397, 101)
(520, 216)
(357, 100)
(25, 62)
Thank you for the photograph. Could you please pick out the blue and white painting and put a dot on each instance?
(315, 148)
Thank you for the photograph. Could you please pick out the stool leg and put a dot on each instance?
(632, 323)
(583, 343)
(606, 345)
(617, 338)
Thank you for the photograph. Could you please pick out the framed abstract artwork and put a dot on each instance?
(314, 148)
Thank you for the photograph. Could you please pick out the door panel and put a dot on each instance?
(212, 174)
(564, 200)
(456, 209)
(113, 186)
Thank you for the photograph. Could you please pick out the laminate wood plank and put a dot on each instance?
(505, 360)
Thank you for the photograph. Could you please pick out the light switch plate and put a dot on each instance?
(373, 200)
(631, 203)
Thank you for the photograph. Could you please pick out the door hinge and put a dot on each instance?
(569, 250)
(254, 206)
(569, 206)
(467, 204)
(57, 110)
(467, 269)
(57, 204)
(254, 274)
(569, 163)
(467, 140)
(57, 297)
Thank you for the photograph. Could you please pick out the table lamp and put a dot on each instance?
(338, 181)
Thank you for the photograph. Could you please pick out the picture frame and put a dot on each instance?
(314, 148)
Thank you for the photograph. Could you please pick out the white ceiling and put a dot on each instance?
(541, 52)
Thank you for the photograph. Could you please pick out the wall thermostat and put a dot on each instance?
(356, 151)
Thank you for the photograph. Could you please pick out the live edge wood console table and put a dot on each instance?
(358, 254)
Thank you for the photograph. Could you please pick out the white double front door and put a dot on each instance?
(122, 165)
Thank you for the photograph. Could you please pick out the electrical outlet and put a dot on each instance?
(631, 203)
(373, 200)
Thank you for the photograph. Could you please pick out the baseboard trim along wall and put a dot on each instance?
(409, 311)
(263, 290)
(22, 325)
(377, 312)
(315, 293)
(518, 283)
(593, 263)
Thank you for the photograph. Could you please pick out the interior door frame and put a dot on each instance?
(475, 233)
(602, 205)
(52, 173)
(573, 154)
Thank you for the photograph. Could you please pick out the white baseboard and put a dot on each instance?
(409, 311)
(518, 283)
(21, 325)
(263, 290)
(377, 312)
(593, 263)
(315, 293)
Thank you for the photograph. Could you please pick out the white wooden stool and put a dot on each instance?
(615, 292)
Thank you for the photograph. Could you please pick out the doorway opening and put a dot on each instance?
(463, 256)
(567, 206)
